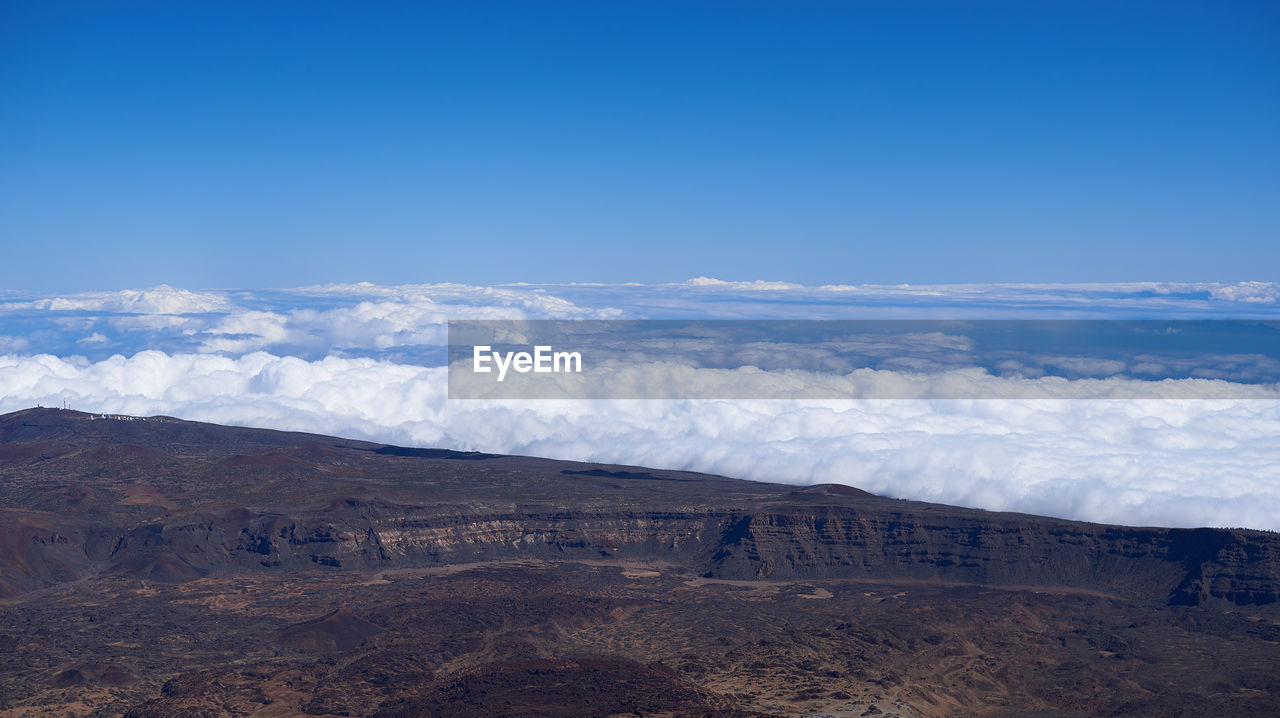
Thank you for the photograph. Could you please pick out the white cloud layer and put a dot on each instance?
(157, 300)
(1169, 462)
(348, 359)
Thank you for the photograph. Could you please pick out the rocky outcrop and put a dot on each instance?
(882, 539)
(1179, 566)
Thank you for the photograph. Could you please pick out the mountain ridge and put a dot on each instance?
(232, 499)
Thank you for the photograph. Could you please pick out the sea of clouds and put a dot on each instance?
(366, 361)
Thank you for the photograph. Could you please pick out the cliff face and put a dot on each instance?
(162, 501)
(363, 536)
(1176, 566)
(1180, 566)
(385, 537)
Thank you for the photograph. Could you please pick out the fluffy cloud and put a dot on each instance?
(758, 285)
(157, 300)
(1251, 292)
(1168, 462)
(368, 325)
(310, 321)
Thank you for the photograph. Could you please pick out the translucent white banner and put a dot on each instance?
(864, 359)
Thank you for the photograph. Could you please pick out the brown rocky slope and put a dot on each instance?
(199, 520)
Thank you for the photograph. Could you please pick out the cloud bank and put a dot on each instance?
(365, 361)
(1167, 462)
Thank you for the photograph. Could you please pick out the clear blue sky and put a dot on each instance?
(255, 144)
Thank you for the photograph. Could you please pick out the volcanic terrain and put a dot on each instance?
(159, 567)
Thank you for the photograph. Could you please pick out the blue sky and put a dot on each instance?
(250, 144)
